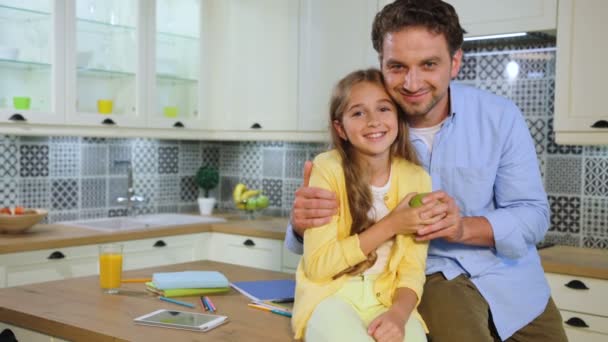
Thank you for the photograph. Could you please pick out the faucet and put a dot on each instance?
(131, 199)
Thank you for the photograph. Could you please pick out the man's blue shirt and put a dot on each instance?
(484, 157)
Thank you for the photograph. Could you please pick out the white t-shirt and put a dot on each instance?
(376, 213)
(427, 134)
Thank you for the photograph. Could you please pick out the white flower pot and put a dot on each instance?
(205, 205)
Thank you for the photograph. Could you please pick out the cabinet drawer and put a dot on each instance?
(158, 251)
(596, 330)
(48, 255)
(592, 300)
(290, 260)
(246, 251)
(26, 335)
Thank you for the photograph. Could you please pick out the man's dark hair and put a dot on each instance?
(437, 16)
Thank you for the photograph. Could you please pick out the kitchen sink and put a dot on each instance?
(114, 224)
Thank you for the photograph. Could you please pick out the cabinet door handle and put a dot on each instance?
(160, 243)
(576, 322)
(8, 335)
(56, 255)
(256, 126)
(249, 243)
(178, 124)
(576, 285)
(108, 122)
(600, 124)
(17, 117)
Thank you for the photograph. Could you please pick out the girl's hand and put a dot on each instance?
(388, 327)
(406, 220)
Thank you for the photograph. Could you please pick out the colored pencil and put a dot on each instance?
(136, 280)
(210, 303)
(176, 302)
(204, 304)
(274, 311)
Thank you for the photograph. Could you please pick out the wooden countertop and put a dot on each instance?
(76, 309)
(575, 261)
(46, 236)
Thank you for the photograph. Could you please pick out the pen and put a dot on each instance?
(136, 280)
(204, 304)
(176, 302)
(274, 311)
(283, 300)
(210, 303)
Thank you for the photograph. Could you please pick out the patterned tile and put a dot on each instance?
(497, 87)
(468, 69)
(229, 161)
(534, 65)
(250, 162)
(289, 190)
(64, 160)
(551, 97)
(9, 158)
(595, 217)
(34, 160)
(167, 208)
(147, 187)
(563, 175)
(596, 176)
(60, 216)
(492, 67)
(9, 192)
(188, 191)
(35, 193)
(227, 184)
(117, 187)
(595, 242)
(273, 143)
(566, 213)
(94, 160)
(596, 151)
(94, 193)
(168, 159)
(95, 140)
(210, 155)
(93, 213)
(118, 153)
(272, 165)
(273, 188)
(64, 194)
(189, 157)
(294, 163)
(188, 208)
(168, 189)
(145, 157)
(563, 239)
(530, 96)
(554, 148)
(538, 130)
(117, 212)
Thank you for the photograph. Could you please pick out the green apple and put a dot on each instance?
(262, 201)
(251, 204)
(416, 201)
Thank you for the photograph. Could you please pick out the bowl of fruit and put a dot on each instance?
(249, 200)
(19, 219)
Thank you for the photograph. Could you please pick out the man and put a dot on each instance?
(484, 278)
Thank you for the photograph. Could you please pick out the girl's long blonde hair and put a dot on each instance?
(356, 172)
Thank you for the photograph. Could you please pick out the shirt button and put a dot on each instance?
(378, 294)
(386, 198)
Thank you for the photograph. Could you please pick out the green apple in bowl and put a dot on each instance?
(262, 201)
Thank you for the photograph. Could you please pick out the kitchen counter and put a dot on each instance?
(46, 236)
(77, 310)
(584, 262)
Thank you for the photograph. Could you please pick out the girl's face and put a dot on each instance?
(369, 121)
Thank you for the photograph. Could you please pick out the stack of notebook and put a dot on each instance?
(188, 283)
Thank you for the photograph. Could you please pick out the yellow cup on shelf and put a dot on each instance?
(104, 106)
(170, 112)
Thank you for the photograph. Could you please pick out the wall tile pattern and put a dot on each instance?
(80, 177)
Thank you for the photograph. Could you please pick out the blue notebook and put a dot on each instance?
(259, 290)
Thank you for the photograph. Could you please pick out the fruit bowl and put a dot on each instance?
(14, 224)
(249, 200)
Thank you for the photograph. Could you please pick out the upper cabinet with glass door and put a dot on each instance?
(106, 74)
(31, 61)
(175, 46)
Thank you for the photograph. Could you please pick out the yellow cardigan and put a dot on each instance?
(330, 249)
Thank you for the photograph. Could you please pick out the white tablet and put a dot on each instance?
(181, 320)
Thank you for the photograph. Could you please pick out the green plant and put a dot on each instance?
(207, 177)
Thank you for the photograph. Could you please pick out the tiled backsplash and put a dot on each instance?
(78, 177)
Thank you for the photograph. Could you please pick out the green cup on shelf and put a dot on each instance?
(21, 102)
(170, 112)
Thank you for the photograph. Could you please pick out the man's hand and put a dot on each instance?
(387, 327)
(450, 225)
(406, 220)
(312, 207)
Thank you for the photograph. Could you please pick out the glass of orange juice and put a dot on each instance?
(110, 267)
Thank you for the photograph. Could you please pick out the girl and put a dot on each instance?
(348, 288)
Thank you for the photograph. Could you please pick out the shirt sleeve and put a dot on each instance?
(521, 217)
(325, 253)
(292, 242)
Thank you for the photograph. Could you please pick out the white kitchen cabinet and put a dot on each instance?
(31, 63)
(583, 304)
(290, 261)
(249, 64)
(581, 116)
(488, 17)
(332, 44)
(26, 335)
(246, 251)
(165, 250)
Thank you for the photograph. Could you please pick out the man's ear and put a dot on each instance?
(456, 63)
(340, 129)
